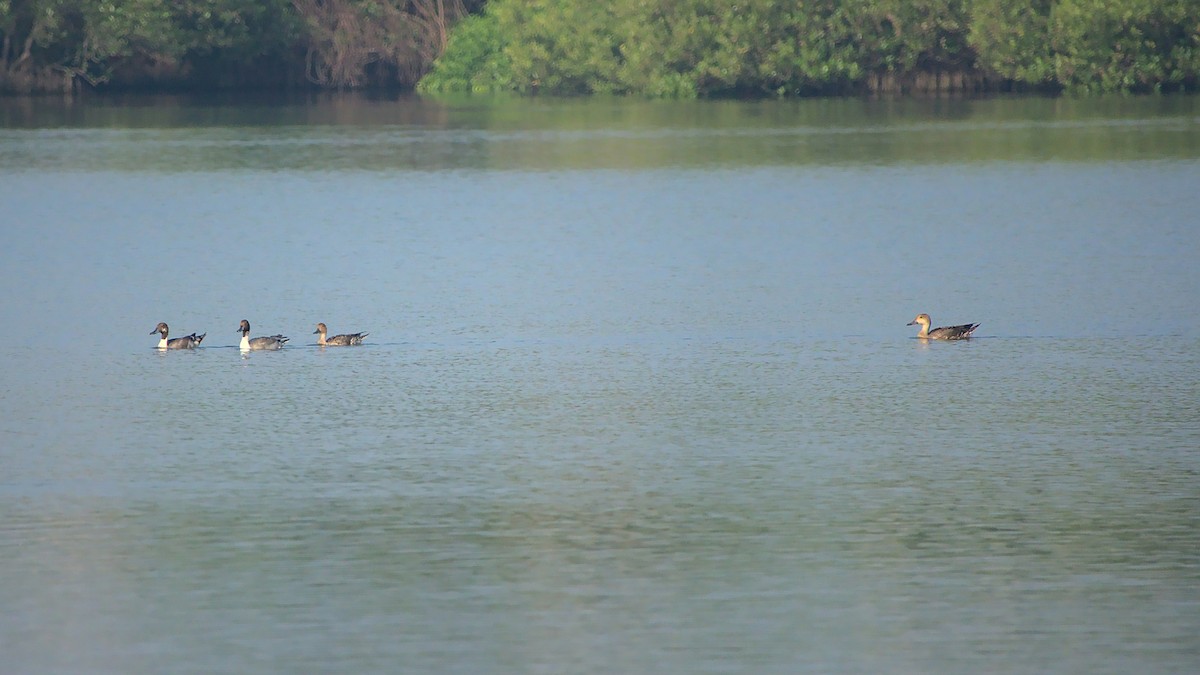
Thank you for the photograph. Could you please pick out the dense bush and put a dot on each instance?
(661, 48)
(692, 48)
(57, 44)
(480, 66)
(1131, 45)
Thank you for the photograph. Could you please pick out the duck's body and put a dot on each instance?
(943, 332)
(259, 343)
(186, 342)
(337, 340)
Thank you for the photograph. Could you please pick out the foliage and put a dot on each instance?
(660, 48)
(480, 66)
(685, 48)
(335, 43)
(713, 47)
(349, 42)
(1132, 45)
(560, 46)
(1012, 39)
(1090, 45)
(231, 41)
(133, 41)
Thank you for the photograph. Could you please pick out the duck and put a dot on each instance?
(944, 332)
(267, 342)
(337, 340)
(186, 342)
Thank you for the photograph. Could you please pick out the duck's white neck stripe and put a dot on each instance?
(245, 344)
(162, 344)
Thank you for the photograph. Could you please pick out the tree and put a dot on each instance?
(479, 64)
(351, 43)
(1131, 46)
(1012, 39)
(30, 30)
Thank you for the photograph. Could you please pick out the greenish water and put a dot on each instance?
(638, 394)
(351, 133)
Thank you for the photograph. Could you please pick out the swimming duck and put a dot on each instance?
(186, 342)
(337, 340)
(268, 342)
(945, 332)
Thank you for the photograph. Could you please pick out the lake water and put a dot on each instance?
(638, 394)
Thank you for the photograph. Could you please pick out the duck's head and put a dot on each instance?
(320, 329)
(161, 329)
(922, 319)
(244, 327)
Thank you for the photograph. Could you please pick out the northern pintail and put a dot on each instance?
(337, 340)
(186, 342)
(945, 332)
(267, 342)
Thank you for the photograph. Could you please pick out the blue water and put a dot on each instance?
(638, 394)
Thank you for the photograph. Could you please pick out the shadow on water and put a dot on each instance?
(350, 132)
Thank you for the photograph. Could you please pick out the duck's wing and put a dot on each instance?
(185, 342)
(268, 342)
(345, 339)
(955, 332)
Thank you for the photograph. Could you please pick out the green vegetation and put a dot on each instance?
(480, 66)
(688, 48)
(657, 48)
(48, 45)
(55, 44)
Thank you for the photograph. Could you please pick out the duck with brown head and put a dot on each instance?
(337, 340)
(943, 332)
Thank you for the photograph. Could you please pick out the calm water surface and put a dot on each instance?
(638, 394)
